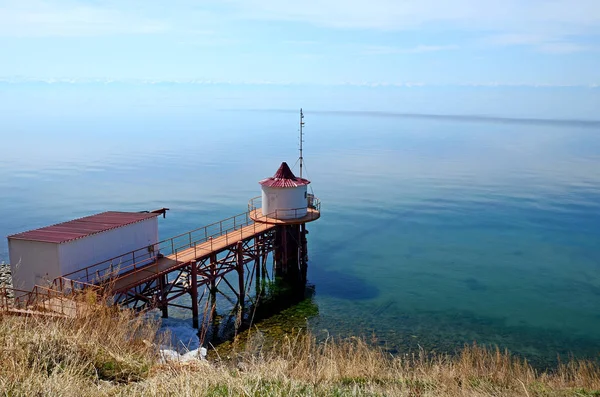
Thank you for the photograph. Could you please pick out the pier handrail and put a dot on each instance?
(43, 297)
(106, 271)
(312, 202)
(70, 286)
(113, 268)
(18, 295)
(30, 300)
(262, 219)
(133, 259)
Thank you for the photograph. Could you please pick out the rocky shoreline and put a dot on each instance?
(5, 275)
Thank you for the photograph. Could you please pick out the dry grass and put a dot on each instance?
(48, 354)
(109, 352)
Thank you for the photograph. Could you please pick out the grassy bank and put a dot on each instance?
(107, 352)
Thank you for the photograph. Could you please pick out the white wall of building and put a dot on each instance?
(283, 200)
(83, 252)
(35, 262)
(32, 262)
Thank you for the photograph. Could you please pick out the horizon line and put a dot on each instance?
(209, 82)
(474, 118)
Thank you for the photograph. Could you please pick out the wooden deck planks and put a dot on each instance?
(172, 262)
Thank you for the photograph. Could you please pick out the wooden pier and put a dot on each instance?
(195, 264)
(161, 274)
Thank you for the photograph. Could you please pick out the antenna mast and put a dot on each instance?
(301, 140)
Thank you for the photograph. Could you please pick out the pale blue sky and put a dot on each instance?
(330, 42)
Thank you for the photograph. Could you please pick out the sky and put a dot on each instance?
(320, 42)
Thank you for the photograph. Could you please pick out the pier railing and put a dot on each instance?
(52, 298)
(70, 286)
(40, 299)
(313, 203)
(134, 260)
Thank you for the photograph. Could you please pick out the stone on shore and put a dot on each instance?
(5, 277)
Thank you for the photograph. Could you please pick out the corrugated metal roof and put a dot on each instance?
(284, 177)
(83, 227)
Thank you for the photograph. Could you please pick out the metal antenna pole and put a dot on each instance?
(301, 140)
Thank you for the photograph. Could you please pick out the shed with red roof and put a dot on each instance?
(39, 256)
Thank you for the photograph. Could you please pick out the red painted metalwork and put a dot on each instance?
(201, 258)
(284, 178)
(83, 227)
(312, 210)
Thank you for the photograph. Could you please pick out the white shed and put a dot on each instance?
(284, 195)
(39, 256)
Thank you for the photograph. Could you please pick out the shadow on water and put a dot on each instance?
(342, 285)
(279, 304)
(270, 331)
(475, 285)
(281, 312)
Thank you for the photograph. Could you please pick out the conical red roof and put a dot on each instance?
(284, 177)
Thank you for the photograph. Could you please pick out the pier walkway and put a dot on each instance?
(201, 256)
(136, 267)
(196, 252)
(156, 276)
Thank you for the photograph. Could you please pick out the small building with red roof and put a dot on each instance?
(284, 195)
(39, 256)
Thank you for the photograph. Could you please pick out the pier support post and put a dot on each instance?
(240, 270)
(264, 258)
(288, 254)
(164, 307)
(257, 263)
(194, 293)
(213, 289)
(213, 273)
(278, 251)
(285, 243)
(303, 253)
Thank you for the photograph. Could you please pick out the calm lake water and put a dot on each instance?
(435, 232)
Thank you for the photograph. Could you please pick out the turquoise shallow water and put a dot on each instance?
(435, 231)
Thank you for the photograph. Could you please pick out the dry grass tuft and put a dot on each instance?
(105, 344)
(111, 352)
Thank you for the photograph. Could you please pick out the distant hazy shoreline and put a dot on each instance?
(586, 123)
